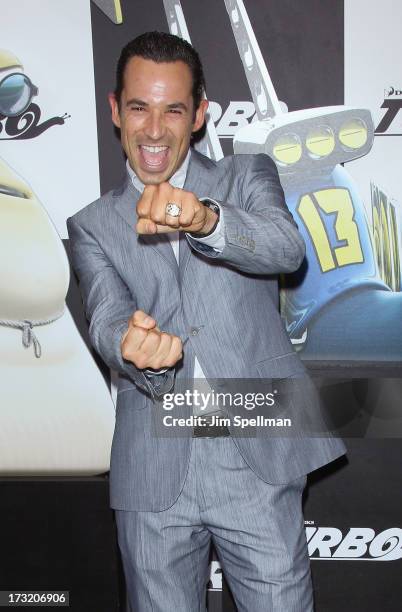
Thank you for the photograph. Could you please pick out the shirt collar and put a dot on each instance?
(177, 180)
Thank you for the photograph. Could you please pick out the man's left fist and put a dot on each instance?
(153, 219)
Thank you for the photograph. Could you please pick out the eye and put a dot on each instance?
(175, 111)
(137, 108)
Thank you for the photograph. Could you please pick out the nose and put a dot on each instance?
(155, 127)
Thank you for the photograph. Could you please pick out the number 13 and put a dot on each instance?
(332, 201)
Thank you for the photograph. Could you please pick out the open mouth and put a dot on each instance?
(154, 157)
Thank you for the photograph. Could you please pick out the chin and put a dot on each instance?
(153, 179)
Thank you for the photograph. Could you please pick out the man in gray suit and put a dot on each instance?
(177, 269)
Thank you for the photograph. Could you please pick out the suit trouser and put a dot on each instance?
(257, 529)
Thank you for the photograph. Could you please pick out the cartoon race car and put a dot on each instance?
(345, 301)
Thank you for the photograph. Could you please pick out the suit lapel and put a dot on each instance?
(126, 205)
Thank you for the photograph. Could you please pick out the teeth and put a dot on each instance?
(154, 149)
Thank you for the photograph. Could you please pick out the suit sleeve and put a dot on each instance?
(261, 236)
(108, 306)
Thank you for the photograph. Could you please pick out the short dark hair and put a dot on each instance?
(162, 47)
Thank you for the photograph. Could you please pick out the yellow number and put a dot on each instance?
(386, 245)
(395, 249)
(311, 217)
(332, 201)
(378, 240)
(385, 229)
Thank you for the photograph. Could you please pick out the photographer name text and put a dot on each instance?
(216, 420)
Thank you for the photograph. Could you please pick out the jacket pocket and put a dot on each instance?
(288, 365)
(291, 387)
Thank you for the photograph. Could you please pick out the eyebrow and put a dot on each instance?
(136, 101)
(145, 104)
(178, 105)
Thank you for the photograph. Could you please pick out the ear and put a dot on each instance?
(115, 109)
(200, 115)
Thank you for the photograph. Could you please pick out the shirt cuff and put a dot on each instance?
(216, 240)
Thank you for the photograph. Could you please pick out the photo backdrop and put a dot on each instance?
(317, 86)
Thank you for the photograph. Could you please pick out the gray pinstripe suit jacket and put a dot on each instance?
(234, 294)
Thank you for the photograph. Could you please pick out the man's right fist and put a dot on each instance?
(147, 347)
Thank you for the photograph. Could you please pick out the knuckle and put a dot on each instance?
(151, 343)
(186, 218)
(178, 348)
(139, 333)
(125, 352)
(177, 194)
(172, 359)
(162, 339)
(141, 360)
(172, 221)
(154, 362)
(169, 340)
(158, 215)
(154, 335)
(138, 315)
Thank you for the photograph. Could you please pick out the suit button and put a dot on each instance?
(195, 331)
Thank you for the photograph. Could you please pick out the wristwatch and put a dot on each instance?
(216, 208)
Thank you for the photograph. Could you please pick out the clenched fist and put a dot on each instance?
(147, 347)
(152, 217)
